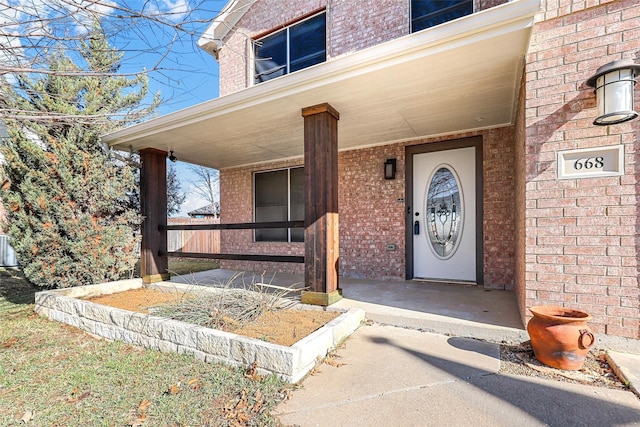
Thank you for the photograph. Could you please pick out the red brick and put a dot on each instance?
(581, 269)
(554, 240)
(598, 299)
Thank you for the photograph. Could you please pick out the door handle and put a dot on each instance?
(416, 228)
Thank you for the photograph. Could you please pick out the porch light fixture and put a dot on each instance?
(390, 169)
(172, 157)
(613, 85)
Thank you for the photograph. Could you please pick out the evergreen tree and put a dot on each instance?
(175, 196)
(67, 200)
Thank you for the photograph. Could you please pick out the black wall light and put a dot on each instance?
(390, 169)
(613, 83)
(172, 157)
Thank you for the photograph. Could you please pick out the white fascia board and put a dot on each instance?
(503, 19)
(213, 37)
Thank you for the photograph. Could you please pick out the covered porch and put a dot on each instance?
(463, 76)
(449, 309)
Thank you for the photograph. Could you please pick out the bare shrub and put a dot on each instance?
(229, 305)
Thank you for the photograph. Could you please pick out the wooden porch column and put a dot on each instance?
(321, 239)
(153, 207)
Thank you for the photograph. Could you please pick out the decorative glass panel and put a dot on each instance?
(444, 212)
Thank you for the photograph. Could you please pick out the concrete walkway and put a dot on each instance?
(394, 376)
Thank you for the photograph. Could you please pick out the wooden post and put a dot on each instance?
(321, 205)
(153, 207)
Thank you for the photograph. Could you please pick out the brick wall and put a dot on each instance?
(520, 202)
(371, 215)
(351, 26)
(582, 245)
(499, 216)
(355, 25)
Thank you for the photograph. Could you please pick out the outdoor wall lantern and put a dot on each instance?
(390, 169)
(172, 157)
(613, 85)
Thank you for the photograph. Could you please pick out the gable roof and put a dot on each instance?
(212, 209)
(212, 39)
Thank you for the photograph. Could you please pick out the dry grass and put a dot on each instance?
(52, 374)
(232, 305)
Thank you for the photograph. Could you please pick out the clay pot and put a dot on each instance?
(560, 336)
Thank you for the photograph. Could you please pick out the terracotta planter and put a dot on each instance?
(560, 336)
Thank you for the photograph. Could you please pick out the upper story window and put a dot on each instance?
(296, 47)
(428, 13)
(279, 196)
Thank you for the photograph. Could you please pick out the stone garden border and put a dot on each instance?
(289, 363)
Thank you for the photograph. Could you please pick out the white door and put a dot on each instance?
(444, 215)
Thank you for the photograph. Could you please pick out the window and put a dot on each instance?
(427, 13)
(296, 47)
(279, 196)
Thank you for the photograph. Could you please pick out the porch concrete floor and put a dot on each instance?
(451, 309)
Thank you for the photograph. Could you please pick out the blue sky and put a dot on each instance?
(187, 75)
(184, 74)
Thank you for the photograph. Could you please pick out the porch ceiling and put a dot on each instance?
(455, 77)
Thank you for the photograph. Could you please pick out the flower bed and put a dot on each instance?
(289, 363)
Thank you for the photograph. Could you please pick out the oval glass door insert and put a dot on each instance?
(444, 212)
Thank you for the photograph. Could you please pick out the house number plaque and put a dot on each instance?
(591, 162)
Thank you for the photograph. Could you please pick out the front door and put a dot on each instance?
(444, 215)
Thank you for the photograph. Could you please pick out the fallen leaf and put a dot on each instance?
(195, 384)
(9, 343)
(243, 403)
(143, 406)
(28, 416)
(287, 393)
(259, 400)
(252, 372)
(173, 389)
(139, 421)
(75, 397)
(332, 362)
(142, 409)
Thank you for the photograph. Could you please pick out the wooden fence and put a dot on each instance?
(200, 241)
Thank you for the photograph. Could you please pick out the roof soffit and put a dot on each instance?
(453, 78)
(213, 37)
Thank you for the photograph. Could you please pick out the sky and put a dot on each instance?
(178, 69)
(187, 76)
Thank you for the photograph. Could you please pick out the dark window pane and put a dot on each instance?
(297, 203)
(271, 56)
(307, 43)
(271, 204)
(428, 13)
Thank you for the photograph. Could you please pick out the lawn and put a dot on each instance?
(179, 266)
(55, 375)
